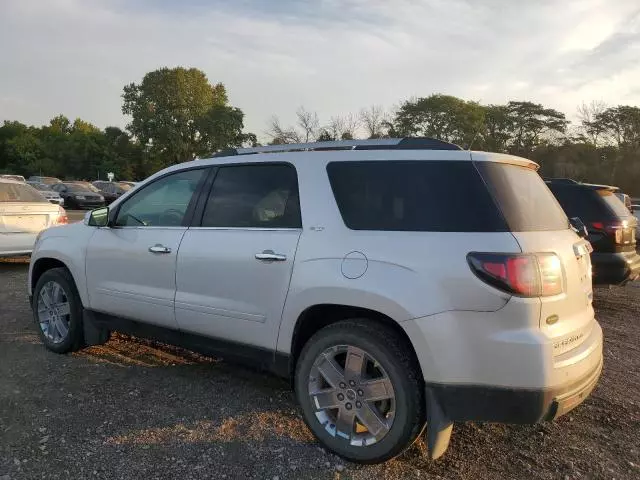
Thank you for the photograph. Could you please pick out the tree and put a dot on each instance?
(532, 125)
(280, 135)
(309, 123)
(373, 120)
(499, 127)
(178, 115)
(440, 116)
(589, 130)
(618, 125)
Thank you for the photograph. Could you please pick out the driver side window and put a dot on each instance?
(163, 203)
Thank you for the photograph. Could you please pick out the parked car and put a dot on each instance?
(78, 196)
(46, 192)
(345, 270)
(46, 180)
(17, 178)
(610, 225)
(24, 213)
(111, 191)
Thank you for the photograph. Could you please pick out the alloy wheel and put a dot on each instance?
(352, 394)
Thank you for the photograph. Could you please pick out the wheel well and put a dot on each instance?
(319, 316)
(41, 266)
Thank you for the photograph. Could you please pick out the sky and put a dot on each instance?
(330, 56)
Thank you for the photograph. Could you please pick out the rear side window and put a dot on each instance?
(523, 197)
(423, 196)
(18, 192)
(254, 196)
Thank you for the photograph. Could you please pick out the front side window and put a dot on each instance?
(162, 203)
(254, 196)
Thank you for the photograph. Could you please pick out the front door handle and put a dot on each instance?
(157, 248)
(270, 255)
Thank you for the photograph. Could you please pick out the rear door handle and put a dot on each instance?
(157, 248)
(270, 255)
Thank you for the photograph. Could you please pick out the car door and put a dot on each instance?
(131, 264)
(234, 266)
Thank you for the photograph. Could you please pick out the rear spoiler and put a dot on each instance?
(504, 158)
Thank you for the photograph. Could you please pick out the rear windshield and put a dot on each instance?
(523, 197)
(614, 203)
(435, 196)
(588, 204)
(16, 192)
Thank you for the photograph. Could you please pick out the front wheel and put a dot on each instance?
(57, 310)
(361, 391)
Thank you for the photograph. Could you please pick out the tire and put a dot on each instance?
(386, 355)
(53, 336)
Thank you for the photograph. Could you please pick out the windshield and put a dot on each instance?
(526, 202)
(75, 187)
(16, 192)
(41, 186)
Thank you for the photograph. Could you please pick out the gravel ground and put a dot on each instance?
(134, 409)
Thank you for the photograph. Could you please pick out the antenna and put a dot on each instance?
(473, 140)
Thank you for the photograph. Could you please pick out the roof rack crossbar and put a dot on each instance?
(417, 143)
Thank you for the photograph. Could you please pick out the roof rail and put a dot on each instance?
(417, 143)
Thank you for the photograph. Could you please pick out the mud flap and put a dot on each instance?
(439, 427)
(93, 333)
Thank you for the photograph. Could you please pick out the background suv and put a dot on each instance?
(350, 268)
(610, 224)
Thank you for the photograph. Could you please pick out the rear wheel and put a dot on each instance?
(361, 391)
(57, 310)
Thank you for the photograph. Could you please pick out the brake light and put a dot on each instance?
(525, 275)
(61, 218)
(615, 229)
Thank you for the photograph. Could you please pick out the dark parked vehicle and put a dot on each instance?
(78, 196)
(611, 228)
(45, 180)
(112, 190)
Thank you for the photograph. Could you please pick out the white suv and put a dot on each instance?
(398, 282)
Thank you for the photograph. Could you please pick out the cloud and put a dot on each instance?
(333, 56)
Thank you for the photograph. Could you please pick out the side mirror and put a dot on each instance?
(579, 227)
(99, 217)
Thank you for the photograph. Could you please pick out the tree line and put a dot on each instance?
(178, 115)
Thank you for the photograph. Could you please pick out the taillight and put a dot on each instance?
(526, 275)
(61, 218)
(615, 229)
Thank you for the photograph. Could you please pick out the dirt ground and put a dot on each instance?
(134, 409)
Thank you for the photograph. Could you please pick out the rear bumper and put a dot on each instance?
(615, 268)
(507, 405)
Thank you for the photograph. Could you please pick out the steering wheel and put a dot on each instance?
(171, 218)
